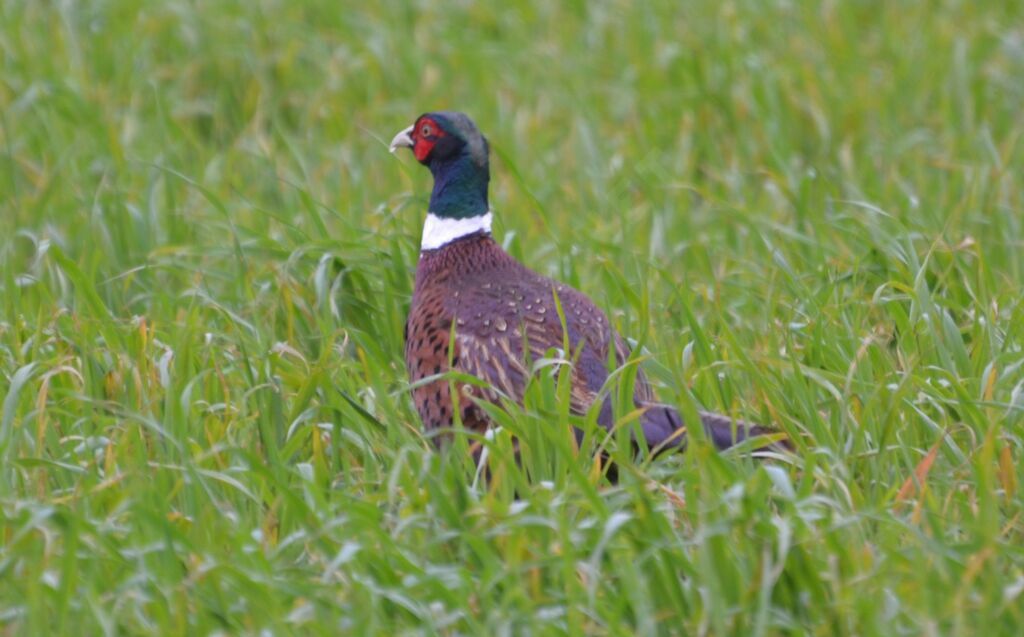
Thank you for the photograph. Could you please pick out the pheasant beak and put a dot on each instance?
(402, 140)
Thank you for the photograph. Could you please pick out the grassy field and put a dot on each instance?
(806, 214)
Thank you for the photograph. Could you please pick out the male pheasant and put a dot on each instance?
(504, 314)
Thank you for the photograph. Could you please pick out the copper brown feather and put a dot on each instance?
(498, 306)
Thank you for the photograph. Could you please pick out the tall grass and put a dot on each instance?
(806, 214)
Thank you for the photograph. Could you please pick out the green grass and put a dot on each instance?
(807, 214)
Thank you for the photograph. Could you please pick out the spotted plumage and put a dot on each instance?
(501, 314)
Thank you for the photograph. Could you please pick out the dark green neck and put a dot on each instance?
(460, 187)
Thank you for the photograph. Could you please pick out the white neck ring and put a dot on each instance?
(440, 231)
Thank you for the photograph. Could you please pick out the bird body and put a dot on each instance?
(477, 310)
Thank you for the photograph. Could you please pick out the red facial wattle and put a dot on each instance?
(422, 148)
(425, 135)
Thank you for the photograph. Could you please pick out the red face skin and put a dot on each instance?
(424, 135)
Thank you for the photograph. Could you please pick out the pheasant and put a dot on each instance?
(500, 313)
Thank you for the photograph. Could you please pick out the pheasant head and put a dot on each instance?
(451, 146)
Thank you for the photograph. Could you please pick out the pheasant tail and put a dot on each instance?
(664, 428)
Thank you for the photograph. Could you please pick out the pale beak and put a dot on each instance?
(402, 140)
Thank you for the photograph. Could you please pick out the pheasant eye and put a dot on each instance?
(426, 130)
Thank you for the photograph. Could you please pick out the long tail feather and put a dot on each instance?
(664, 428)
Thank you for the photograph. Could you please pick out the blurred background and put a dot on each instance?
(669, 115)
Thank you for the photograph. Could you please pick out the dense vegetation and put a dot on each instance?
(809, 214)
